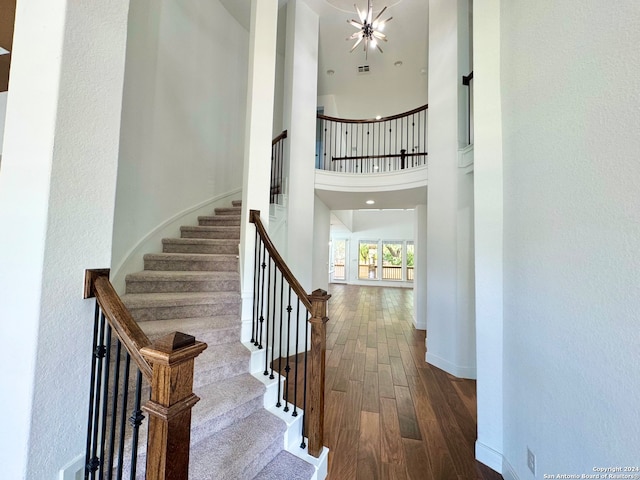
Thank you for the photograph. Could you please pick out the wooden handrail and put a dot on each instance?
(97, 285)
(254, 217)
(168, 365)
(282, 136)
(374, 120)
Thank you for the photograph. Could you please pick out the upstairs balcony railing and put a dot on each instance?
(371, 146)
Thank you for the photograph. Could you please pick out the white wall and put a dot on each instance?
(488, 229)
(182, 138)
(450, 319)
(300, 120)
(420, 268)
(570, 83)
(321, 237)
(373, 225)
(57, 189)
(3, 111)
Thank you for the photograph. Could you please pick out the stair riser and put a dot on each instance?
(221, 233)
(144, 314)
(207, 373)
(221, 265)
(192, 248)
(228, 211)
(214, 425)
(220, 221)
(183, 286)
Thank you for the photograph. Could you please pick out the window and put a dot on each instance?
(410, 253)
(392, 260)
(368, 260)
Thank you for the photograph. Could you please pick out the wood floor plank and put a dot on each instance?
(392, 449)
(390, 471)
(371, 363)
(357, 368)
(369, 447)
(351, 417)
(385, 381)
(333, 359)
(341, 460)
(370, 393)
(409, 427)
(334, 410)
(383, 353)
(397, 371)
(417, 464)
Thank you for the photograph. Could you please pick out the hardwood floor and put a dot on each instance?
(389, 415)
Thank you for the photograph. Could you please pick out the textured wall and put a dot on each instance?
(183, 113)
(57, 186)
(570, 83)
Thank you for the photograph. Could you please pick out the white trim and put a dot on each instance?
(489, 457)
(74, 469)
(132, 260)
(508, 473)
(367, 182)
(455, 370)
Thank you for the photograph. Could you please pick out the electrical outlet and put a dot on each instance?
(531, 461)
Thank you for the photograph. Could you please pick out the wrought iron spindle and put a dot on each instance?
(256, 275)
(91, 462)
(114, 411)
(266, 352)
(136, 420)
(123, 414)
(287, 367)
(105, 398)
(273, 318)
(304, 389)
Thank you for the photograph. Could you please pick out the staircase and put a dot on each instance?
(193, 286)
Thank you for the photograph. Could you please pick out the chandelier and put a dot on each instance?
(369, 28)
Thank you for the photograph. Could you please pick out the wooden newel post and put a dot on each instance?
(315, 408)
(172, 359)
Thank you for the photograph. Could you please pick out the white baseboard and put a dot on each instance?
(455, 370)
(508, 473)
(489, 457)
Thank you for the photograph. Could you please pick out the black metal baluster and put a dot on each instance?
(123, 414)
(105, 399)
(263, 265)
(91, 463)
(136, 420)
(273, 318)
(96, 461)
(278, 404)
(114, 412)
(304, 390)
(256, 275)
(266, 351)
(295, 383)
(287, 367)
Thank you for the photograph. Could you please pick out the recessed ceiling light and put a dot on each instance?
(378, 117)
(330, 72)
(370, 202)
(398, 63)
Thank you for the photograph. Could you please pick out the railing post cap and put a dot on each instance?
(319, 294)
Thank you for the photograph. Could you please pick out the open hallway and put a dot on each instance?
(390, 415)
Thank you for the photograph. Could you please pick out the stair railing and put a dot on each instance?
(277, 166)
(165, 364)
(372, 146)
(282, 315)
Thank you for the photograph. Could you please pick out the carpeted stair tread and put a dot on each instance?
(222, 220)
(191, 261)
(140, 300)
(225, 402)
(167, 281)
(211, 330)
(210, 232)
(228, 210)
(222, 456)
(286, 466)
(221, 361)
(200, 245)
